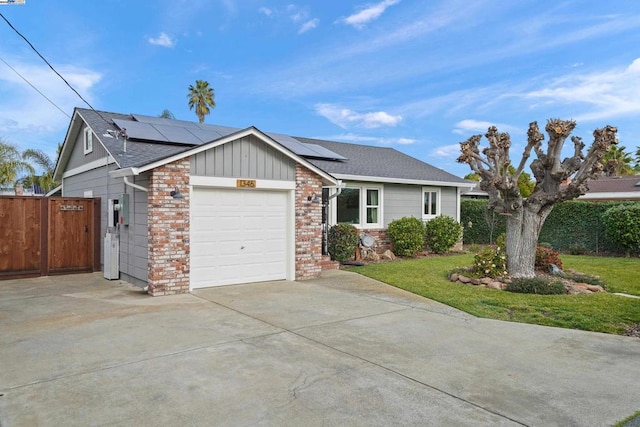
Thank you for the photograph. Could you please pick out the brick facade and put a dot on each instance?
(168, 221)
(308, 228)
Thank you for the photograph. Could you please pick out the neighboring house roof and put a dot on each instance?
(613, 188)
(474, 191)
(152, 140)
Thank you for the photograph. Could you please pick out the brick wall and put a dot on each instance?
(168, 220)
(308, 227)
(382, 242)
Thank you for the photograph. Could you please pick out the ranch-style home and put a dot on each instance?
(189, 205)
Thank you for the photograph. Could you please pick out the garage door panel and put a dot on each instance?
(238, 236)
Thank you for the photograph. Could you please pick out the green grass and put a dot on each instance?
(601, 312)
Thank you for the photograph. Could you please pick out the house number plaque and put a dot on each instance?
(246, 183)
(71, 207)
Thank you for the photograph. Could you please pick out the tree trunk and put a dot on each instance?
(523, 229)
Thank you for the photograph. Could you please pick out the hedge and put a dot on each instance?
(573, 226)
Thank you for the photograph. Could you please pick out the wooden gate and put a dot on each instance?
(43, 236)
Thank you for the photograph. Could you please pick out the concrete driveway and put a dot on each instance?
(340, 350)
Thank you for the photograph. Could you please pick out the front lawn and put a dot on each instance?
(600, 312)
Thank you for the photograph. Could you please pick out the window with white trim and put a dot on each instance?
(430, 202)
(360, 206)
(88, 141)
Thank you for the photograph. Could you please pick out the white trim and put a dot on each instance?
(54, 190)
(400, 181)
(628, 195)
(119, 173)
(261, 184)
(430, 189)
(89, 166)
(362, 187)
(458, 204)
(87, 140)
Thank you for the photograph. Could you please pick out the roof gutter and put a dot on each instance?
(131, 184)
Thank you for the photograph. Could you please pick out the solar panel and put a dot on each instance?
(156, 129)
(324, 153)
(137, 130)
(177, 134)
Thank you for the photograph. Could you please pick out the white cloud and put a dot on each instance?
(309, 25)
(465, 127)
(345, 117)
(447, 151)
(28, 119)
(163, 40)
(370, 13)
(602, 95)
(370, 140)
(265, 11)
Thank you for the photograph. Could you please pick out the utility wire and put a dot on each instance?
(53, 69)
(35, 88)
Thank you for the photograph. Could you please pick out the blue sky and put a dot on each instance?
(417, 76)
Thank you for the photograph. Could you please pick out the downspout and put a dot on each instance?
(131, 184)
(340, 186)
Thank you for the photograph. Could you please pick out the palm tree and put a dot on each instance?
(40, 158)
(11, 163)
(166, 114)
(201, 97)
(617, 162)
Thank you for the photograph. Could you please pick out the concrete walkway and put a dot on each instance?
(340, 350)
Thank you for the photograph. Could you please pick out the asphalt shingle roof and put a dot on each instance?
(361, 160)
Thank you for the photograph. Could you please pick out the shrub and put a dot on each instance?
(535, 285)
(442, 233)
(622, 225)
(545, 256)
(342, 242)
(491, 262)
(407, 236)
(583, 278)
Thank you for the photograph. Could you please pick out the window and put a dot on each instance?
(88, 141)
(430, 202)
(349, 206)
(359, 206)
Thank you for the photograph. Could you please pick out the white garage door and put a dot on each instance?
(237, 236)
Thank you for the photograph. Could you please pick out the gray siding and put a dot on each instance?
(133, 238)
(449, 203)
(244, 158)
(400, 201)
(78, 158)
(406, 200)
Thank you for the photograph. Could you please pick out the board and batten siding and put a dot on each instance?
(78, 158)
(406, 200)
(134, 237)
(244, 158)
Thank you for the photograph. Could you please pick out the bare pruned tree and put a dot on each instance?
(556, 180)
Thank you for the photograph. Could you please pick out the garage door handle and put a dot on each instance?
(241, 247)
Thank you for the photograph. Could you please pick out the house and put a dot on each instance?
(613, 189)
(190, 205)
(474, 192)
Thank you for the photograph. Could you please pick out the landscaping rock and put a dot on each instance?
(372, 257)
(454, 277)
(595, 288)
(486, 280)
(476, 281)
(463, 279)
(495, 285)
(388, 255)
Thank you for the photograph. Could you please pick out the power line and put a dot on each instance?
(34, 88)
(45, 60)
(53, 69)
